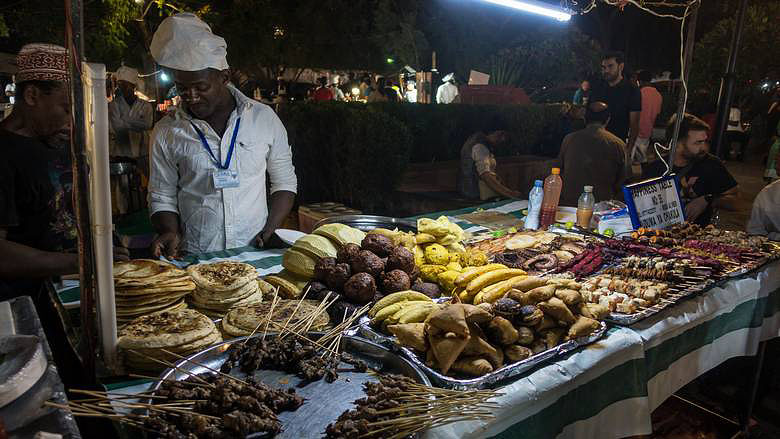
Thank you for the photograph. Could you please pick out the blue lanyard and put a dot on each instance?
(208, 148)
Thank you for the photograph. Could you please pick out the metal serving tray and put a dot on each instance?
(367, 223)
(324, 401)
(494, 379)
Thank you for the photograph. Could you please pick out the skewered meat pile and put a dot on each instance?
(640, 267)
(224, 408)
(291, 355)
(380, 396)
(544, 257)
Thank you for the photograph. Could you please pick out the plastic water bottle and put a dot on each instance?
(552, 195)
(585, 207)
(534, 206)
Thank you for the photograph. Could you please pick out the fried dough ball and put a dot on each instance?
(348, 252)
(401, 259)
(394, 281)
(368, 262)
(360, 288)
(378, 244)
(338, 276)
(323, 267)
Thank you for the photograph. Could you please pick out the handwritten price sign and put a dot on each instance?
(655, 203)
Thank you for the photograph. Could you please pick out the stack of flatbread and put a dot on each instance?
(145, 286)
(224, 285)
(183, 332)
(239, 322)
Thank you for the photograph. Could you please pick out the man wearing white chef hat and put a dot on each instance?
(448, 91)
(210, 157)
(130, 117)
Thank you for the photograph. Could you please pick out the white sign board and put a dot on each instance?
(655, 203)
(478, 78)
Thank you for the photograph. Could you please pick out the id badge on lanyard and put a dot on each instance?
(223, 177)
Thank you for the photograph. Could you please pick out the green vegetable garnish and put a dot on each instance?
(609, 232)
(569, 224)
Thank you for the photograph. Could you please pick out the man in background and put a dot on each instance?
(592, 157)
(621, 96)
(130, 119)
(706, 184)
(651, 107)
(582, 94)
(10, 90)
(765, 217)
(322, 93)
(448, 91)
(477, 177)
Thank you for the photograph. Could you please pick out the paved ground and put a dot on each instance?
(750, 176)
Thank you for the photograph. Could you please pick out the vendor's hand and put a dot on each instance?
(516, 195)
(166, 245)
(267, 239)
(695, 207)
(121, 254)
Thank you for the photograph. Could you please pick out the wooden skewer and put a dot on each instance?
(171, 365)
(189, 383)
(206, 367)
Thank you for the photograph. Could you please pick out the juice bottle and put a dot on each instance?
(585, 207)
(552, 194)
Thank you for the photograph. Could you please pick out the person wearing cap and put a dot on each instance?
(477, 177)
(448, 91)
(594, 157)
(130, 118)
(210, 158)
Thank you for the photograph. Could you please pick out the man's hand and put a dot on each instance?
(121, 254)
(687, 186)
(267, 239)
(166, 244)
(694, 208)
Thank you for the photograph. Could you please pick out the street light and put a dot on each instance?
(164, 77)
(534, 7)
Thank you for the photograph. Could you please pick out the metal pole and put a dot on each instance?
(729, 79)
(754, 388)
(74, 26)
(689, 40)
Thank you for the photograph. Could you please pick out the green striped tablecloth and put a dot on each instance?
(610, 388)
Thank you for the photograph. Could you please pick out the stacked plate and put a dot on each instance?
(224, 285)
(145, 286)
(243, 321)
(182, 332)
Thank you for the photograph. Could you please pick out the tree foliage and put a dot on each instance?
(759, 54)
(536, 60)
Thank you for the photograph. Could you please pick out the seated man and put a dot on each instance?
(765, 218)
(594, 157)
(706, 184)
(477, 178)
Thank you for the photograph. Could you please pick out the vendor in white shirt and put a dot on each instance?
(765, 217)
(210, 157)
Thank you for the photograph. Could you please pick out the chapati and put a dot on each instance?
(222, 276)
(165, 329)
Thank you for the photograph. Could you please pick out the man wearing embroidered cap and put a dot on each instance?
(37, 225)
(210, 157)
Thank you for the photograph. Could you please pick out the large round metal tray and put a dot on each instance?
(324, 401)
(367, 223)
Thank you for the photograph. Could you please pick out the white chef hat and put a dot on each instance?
(184, 42)
(448, 77)
(128, 74)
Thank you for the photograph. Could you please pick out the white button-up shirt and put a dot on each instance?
(181, 176)
(765, 217)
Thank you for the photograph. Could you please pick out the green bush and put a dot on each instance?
(344, 153)
(356, 154)
(439, 131)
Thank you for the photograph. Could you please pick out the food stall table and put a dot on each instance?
(610, 388)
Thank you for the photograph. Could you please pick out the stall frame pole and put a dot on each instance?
(74, 28)
(726, 94)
